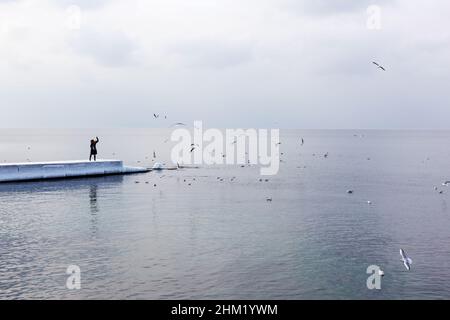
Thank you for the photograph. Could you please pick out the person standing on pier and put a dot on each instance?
(94, 149)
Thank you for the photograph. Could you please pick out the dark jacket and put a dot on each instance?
(94, 146)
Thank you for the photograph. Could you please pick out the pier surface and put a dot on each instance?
(63, 169)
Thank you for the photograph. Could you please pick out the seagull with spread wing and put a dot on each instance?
(193, 146)
(178, 124)
(406, 260)
(379, 66)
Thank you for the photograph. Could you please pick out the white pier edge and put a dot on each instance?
(27, 171)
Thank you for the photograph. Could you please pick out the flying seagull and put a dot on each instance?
(178, 124)
(379, 66)
(406, 260)
(193, 146)
(156, 115)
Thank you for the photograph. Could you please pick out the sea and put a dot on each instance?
(209, 232)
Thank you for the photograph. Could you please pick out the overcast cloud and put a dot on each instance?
(231, 63)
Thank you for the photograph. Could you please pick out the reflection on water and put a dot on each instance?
(206, 238)
(93, 198)
(94, 207)
(43, 186)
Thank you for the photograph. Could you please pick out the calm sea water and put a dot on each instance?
(217, 239)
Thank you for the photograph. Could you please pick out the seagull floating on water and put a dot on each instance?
(406, 260)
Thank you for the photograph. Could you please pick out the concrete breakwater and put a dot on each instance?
(63, 169)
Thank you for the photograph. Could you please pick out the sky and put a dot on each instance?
(303, 64)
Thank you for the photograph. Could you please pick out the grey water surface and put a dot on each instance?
(217, 239)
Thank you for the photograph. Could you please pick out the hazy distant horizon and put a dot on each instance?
(224, 128)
